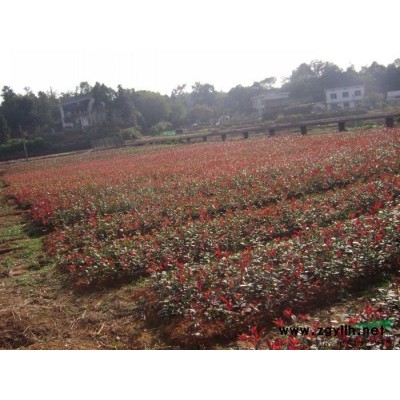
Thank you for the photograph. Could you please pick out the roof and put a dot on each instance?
(272, 95)
(344, 88)
(77, 99)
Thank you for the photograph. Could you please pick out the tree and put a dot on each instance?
(302, 72)
(301, 82)
(322, 68)
(391, 80)
(18, 110)
(373, 77)
(265, 84)
(309, 81)
(200, 114)
(4, 130)
(103, 99)
(203, 94)
(83, 88)
(46, 109)
(153, 107)
(179, 91)
(351, 77)
(224, 104)
(178, 106)
(178, 113)
(123, 110)
(9, 107)
(374, 100)
(241, 98)
(330, 76)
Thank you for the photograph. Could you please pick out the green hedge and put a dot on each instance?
(39, 146)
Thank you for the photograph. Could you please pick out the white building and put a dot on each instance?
(393, 96)
(269, 100)
(344, 97)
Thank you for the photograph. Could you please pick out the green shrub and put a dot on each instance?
(16, 145)
(37, 144)
(130, 133)
(161, 127)
(289, 118)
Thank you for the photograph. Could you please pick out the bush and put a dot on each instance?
(130, 133)
(289, 118)
(16, 145)
(160, 127)
(271, 115)
(300, 109)
(100, 132)
(39, 146)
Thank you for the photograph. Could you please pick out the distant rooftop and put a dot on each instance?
(272, 95)
(76, 99)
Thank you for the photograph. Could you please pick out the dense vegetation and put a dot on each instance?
(227, 235)
(150, 113)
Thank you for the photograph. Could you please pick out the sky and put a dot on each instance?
(157, 45)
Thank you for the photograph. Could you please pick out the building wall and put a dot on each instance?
(393, 96)
(344, 97)
(85, 117)
(269, 100)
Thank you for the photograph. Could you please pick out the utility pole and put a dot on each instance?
(23, 143)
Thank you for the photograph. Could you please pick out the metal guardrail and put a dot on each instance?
(107, 143)
(271, 129)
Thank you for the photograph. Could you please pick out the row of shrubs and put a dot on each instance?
(130, 133)
(39, 146)
(72, 140)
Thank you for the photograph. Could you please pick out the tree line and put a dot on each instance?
(150, 112)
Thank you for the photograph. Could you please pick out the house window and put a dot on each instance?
(346, 104)
(345, 94)
(333, 96)
(357, 93)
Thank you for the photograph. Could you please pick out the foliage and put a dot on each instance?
(374, 100)
(29, 112)
(305, 332)
(130, 133)
(16, 145)
(308, 81)
(203, 94)
(122, 108)
(265, 84)
(153, 107)
(231, 233)
(4, 130)
(200, 114)
(241, 97)
(160, 127)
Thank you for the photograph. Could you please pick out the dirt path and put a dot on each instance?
(39, 311)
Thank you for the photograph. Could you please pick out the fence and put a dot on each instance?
(270, 129)
(107, 143)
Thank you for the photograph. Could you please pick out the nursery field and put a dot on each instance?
(228, 241)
